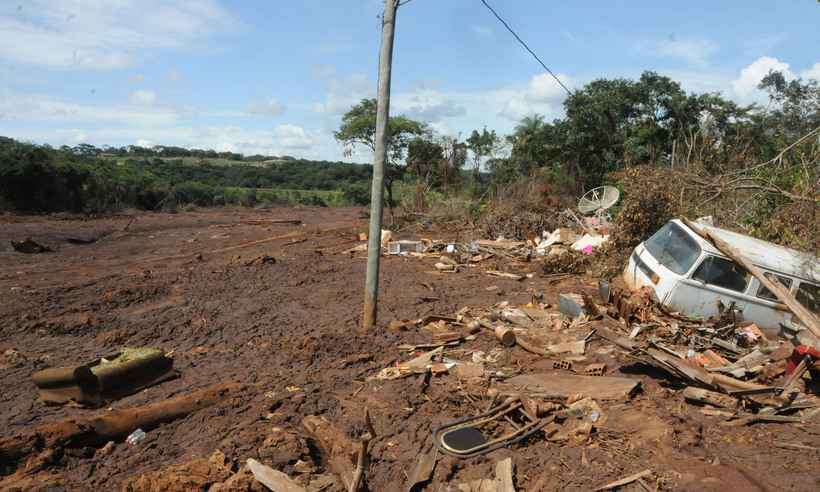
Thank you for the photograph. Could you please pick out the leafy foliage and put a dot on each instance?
(40, 178)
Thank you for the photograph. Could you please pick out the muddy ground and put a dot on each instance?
(289, 330)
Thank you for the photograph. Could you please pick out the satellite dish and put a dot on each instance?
(600, 198)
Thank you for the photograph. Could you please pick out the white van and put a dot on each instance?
(689, 275)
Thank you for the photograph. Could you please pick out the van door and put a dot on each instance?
(715, 280)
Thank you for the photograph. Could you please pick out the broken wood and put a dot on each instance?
(564, 385)
(512, 276)
(113, 424)
(272, 479)
(501, 244)
(783, 295)
(607, 333)
(362, 457)
(576, 348)
(699, 395)
(504, 476)
(423, 470)
(625, 480)
(335, 445)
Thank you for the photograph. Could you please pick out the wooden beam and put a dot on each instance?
(805, 316)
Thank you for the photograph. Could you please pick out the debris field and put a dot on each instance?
(221, 350)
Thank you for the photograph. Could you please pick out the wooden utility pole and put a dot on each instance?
(371, 286)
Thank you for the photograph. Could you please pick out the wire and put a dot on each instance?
(525, 46)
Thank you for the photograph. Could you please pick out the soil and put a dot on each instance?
(189, 283)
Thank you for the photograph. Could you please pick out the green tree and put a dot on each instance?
(481, 145)
(358, 128)
(424, 160)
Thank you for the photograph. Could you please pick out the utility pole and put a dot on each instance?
(371, 286)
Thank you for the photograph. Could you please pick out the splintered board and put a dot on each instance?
(564, 385)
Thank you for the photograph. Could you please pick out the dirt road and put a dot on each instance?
(190, 284)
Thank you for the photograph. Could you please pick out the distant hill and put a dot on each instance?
(87, 178)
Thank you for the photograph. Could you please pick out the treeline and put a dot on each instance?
(755, 168)
(38, 178)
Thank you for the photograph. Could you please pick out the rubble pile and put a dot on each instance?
(726, 367)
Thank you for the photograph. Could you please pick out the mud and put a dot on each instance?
(289, 329)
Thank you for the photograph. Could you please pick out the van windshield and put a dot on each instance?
(673, 248)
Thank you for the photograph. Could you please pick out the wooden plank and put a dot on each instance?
(272, 479)
(504, 476)
(564, 385)
(608, 334)
(798, 310)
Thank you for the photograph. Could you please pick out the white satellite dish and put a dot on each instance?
(598, 199)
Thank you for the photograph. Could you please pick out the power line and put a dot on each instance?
(525, 46)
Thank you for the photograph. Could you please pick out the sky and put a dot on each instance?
(275, 77)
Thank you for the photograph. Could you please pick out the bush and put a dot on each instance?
(357, 193)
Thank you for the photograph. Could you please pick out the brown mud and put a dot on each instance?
(289, 330)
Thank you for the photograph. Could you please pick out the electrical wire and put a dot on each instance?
(525, 46)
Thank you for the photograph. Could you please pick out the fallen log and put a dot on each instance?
(111, 425)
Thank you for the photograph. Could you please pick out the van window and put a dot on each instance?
(809, 296)
(765, 293)
(673, 248)
(722, 273)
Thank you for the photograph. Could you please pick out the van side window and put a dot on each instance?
(722, 273)
(809, 296)
(764, 293)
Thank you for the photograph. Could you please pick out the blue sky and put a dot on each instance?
(275, 76)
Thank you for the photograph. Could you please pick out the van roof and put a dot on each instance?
(764, 254)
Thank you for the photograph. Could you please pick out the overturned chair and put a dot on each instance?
(464, 438)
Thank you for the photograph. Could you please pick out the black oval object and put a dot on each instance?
(463, 439)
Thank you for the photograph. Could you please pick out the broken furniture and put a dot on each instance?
(464, 438)
(105, 379)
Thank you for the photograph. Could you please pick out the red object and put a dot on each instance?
(799, 352)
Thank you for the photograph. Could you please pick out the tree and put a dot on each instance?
(358, 128)
(481, 145)
(795, 107)
(455, 155)
(424, 158)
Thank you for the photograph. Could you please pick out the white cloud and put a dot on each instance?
(143, 98)
(294, 137)
(268, 107)
(101, 34)
(427, 105)
(344, 92)
(142, 142)
(812, 73)
(42, 108)
(542, 95)
(745, 86)
(694, 51)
